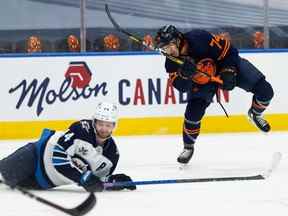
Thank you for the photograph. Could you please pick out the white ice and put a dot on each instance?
(154, 157)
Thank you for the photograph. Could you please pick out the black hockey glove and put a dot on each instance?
(91, 183)
(188, 69)
(228, 75)
(118, 178)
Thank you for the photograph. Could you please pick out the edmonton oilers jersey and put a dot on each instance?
(203, 45)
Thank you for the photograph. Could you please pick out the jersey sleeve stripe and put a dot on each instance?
(62, 152)
(61, 164)
(59, 147)
(57, 160)
(59, 154)
(60, 158)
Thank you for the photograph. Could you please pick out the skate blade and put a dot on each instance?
(183, 166)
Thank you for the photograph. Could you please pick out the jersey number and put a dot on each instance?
(215, 41)
(68, 136)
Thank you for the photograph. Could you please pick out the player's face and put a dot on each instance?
(104, 129)
(171, 49)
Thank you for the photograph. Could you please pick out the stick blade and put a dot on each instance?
(84, 207)
(276, 158)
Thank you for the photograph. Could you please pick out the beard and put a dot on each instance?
(104, 135)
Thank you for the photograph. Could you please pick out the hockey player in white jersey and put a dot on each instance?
(85, 154)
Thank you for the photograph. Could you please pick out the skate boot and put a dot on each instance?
(259, 121)
(186, 155)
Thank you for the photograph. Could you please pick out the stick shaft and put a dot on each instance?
(191, 180)
(140, 41)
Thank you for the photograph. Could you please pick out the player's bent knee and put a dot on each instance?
(263, 90)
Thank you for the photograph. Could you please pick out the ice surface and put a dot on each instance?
(154, 157)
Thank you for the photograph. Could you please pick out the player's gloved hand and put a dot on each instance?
(91, 183)
(228, 75)
(188, 69)
(118, 178)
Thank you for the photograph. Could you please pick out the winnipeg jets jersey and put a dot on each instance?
(64, 156)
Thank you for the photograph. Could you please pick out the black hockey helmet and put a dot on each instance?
(167, 34)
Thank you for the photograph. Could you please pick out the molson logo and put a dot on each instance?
(74, 86)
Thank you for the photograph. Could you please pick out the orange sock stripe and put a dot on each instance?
(190, 131)
(259, 106)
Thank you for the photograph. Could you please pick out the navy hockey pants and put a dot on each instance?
(19, 167)
(249, 78)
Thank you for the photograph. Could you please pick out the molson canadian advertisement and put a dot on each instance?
(52, 91)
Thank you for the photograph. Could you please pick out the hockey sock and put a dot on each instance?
(191, 130)
(258, 106)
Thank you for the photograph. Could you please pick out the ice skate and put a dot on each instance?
(185, 155)
(259, 121)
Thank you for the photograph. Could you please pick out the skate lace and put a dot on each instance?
(186, 152)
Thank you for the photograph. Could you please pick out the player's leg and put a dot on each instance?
(252, 80)
(194, 112)
(263, 93)
(19, 167)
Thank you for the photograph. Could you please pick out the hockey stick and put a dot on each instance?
(175, 181)
(140, 41)
(79, 210)
(275, 161)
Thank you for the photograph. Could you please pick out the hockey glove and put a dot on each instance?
(188, 69)
(118, 178)
(228, 75)
(91, 183)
